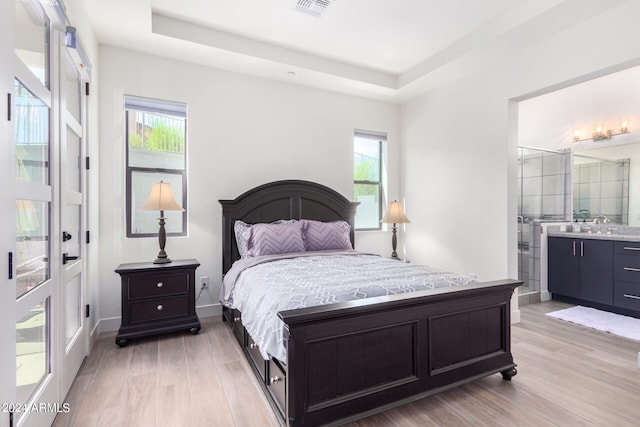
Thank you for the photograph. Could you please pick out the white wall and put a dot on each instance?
(459, 148)
(242, 132)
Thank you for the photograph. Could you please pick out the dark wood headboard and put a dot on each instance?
(290, 199)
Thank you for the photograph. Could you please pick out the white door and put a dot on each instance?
(42, 151)
(32, 181)
(74, 334)
(7, 216)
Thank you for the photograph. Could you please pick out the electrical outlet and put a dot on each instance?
(204, 281)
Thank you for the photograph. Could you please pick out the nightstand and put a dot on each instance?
(157, 298)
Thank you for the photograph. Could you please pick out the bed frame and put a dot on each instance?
(349, 360)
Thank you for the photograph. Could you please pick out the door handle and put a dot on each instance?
(66, 258)
(66, 236)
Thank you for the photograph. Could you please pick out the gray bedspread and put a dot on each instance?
(261, 287)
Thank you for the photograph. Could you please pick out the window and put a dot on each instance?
(367, 178)
(156, 151)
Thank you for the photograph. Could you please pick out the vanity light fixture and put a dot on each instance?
(600, 133)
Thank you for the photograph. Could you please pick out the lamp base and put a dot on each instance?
(162, 257)
(162, 239)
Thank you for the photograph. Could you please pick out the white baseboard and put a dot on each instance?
(109, 324)
(93, 336)
(112, 324)
(545, 296)
(209, 310)
(515, 316)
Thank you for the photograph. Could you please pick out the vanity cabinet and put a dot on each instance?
(626, 286)
(581, 269)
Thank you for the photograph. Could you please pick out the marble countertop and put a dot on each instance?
(596, 236)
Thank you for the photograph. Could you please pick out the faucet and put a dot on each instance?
(600, 219)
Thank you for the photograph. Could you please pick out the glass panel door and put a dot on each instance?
(34, 286)
(35, 218)
(32, 362)
(72, 247)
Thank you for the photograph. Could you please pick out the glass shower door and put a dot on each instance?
(543, 196)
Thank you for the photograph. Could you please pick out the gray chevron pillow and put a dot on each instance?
(241, 230)
(270, 239)
(320, 236)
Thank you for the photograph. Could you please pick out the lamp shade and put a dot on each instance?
(395, 214)
(161, 199)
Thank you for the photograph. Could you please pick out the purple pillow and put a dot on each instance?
(270, 239)
(322, 236)
(242, 229)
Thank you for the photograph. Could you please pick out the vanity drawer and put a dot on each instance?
(276, 383)
(158, 285)
(161, 308)
(627, 268)
(627, 248)
(627, 295)
(256, 357)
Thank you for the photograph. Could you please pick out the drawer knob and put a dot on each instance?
(236, 319)
(275, 379)
(160, 284)
(159, 307)
(253, 345)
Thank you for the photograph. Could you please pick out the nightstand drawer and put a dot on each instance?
(163, 308)
(158, 285)
(626, 295)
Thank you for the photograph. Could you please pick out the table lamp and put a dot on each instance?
(161, 199)
(395, 215)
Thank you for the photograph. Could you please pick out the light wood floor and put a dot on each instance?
(567, 375)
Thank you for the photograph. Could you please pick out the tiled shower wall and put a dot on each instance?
(601, 188)
(544, 181)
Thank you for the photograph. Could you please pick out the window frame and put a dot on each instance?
(130, 170)
(380, 138)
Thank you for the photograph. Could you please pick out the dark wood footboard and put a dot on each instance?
(353, 359)
(350, 360)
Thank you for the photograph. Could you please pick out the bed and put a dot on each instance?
(351, 359)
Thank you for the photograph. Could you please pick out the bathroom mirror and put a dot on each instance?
(604, 179)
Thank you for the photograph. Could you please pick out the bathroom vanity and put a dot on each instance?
(601, 270)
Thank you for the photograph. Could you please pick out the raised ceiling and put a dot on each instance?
(381, 49)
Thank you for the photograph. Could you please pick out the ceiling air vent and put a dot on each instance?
(312, 7)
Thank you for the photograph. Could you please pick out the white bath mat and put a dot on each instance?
(625, 326)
